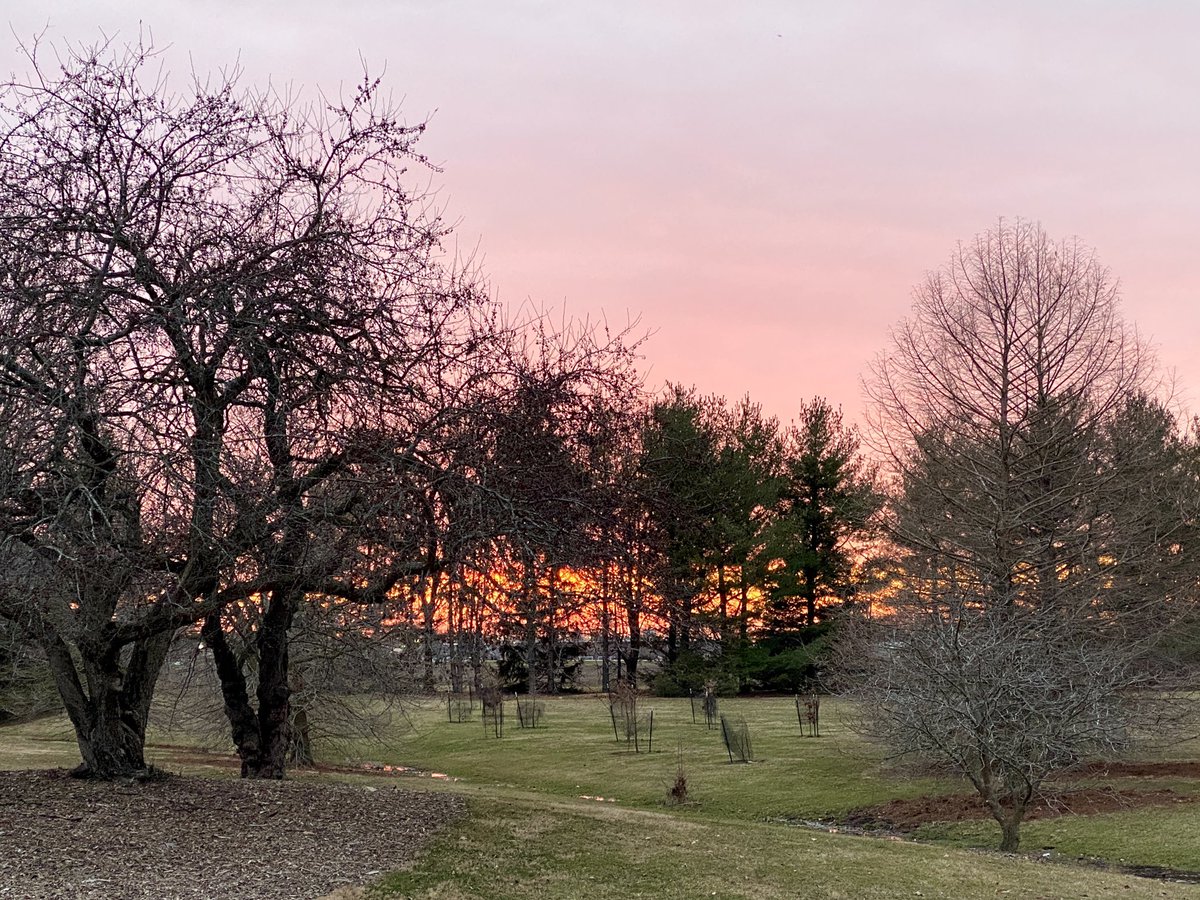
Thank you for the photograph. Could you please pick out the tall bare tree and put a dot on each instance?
(1036, 500)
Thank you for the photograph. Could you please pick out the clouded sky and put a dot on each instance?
(761, 183)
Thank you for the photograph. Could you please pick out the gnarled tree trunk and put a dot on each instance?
(109, 708)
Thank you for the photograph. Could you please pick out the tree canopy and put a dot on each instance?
(237, 367)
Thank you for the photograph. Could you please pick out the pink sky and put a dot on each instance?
(762, 184)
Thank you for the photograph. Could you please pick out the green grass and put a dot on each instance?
(558, 849)
(1165, 836)
(574, 754)
(533, 835)
(44, 743)
(793, 778)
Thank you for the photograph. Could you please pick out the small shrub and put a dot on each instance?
(677, 794)
(491, 700)
(636, 727)
(811, 714)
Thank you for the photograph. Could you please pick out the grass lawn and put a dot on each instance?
(534, 833)
(793, 779)
(575, 753)
(560, 849)
(1164, 836)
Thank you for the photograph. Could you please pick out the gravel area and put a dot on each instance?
(184, 838)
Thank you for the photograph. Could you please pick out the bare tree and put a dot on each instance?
(352, 671)
(1005, 697)
(1044, 547)
(228, 347)
(545, 469)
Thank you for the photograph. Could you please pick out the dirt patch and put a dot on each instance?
(909, 815)
(1166, 769)
(184, 838)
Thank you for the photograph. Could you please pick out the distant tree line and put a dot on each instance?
(705, 537)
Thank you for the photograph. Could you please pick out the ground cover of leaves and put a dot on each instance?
(186, 838)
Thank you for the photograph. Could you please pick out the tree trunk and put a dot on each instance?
(809, 592)
(429, 626)
(634, 621)
(242, 721)
(605, 633)
(554, 661)
(262, 739)
(113, 749)
(531, 626)
(477, 648)
(456, 634)
(300, 742)
(723, 608)
(1010, 834)
(1009, 816)
(110, 717)
(274, 691)
(685, 623)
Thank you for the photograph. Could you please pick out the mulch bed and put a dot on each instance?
(1135, 769)
(908, 815)
(184, 838)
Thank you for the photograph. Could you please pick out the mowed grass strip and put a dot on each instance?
(557, 849)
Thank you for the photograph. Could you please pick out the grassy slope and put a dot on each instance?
(558, 849)
(793, 778)
(533, 836)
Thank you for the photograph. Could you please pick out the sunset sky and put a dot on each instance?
(761, 184)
